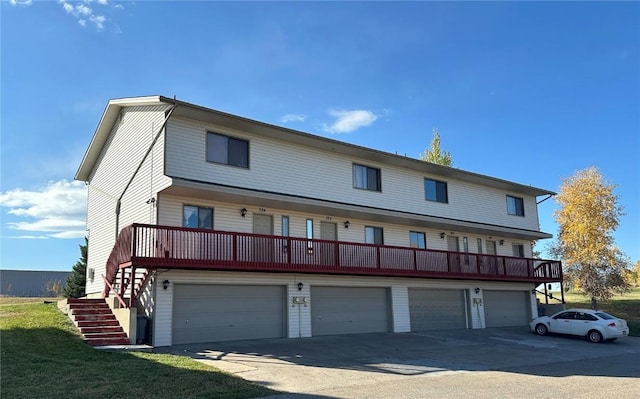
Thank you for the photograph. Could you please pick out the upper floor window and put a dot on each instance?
(515, 206)
(417, 240)
(285, 226)
(435, 190)
(227, 150)
(373, 235)
(197, 217)
(366, 178)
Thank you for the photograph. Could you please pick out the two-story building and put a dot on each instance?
(218, 227)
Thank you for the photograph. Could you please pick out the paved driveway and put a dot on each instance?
(489, 363)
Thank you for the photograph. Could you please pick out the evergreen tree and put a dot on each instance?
(75, 285)
(433, 154)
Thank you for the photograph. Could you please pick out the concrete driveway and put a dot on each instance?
(489, 363)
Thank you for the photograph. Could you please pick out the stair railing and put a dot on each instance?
(121, 253)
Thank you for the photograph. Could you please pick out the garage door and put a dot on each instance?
(506, 308)
(349, 310)
(207, 313)
(431, 309)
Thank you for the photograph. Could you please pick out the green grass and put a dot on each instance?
(43, 356)
(623, 306)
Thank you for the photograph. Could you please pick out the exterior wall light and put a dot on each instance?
(501, 242)
(165, 284)
(243, 212)
(347, 224)
(300, 285)
(477, 290)
(442, 235)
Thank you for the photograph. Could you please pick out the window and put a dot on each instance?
(435, 190)
(285, 226)
(366, 178)
(518, 250)
(480, 245)
(417, 240)
(227, 150)
(373, 235)
(197, 217)
(310, 236)
(515, 206)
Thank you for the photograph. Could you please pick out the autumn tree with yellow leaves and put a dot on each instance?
(587, 217)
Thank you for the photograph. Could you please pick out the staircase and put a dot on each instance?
(96, 322)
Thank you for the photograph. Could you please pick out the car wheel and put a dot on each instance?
(594, 336)
(541, 329)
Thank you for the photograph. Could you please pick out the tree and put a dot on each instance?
(587, 218)
(433, 154)
(75, 285)
(633, 275)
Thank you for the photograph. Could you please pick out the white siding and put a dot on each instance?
(328, 176)
(476, 309)
(128, 142)
(299, 324)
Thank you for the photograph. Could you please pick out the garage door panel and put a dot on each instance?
(349, 310)
(207, 313)
(506, 308)
(433, 309)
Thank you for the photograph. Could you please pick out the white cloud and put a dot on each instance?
(58, 210)
(20, 2)
(293, 118)
(348, 121)
(84, 13)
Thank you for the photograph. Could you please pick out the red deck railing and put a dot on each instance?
(152, 246)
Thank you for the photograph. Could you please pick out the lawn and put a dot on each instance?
(43, 356)
(624, 306)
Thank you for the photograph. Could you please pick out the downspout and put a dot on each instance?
(144, 158)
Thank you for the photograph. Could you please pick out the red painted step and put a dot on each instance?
(100, 329)
(95, 317)
(93, 310)
(107, 341)
(98, 323)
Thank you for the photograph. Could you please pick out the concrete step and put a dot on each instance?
(107, 341)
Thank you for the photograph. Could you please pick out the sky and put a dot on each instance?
(529, 92)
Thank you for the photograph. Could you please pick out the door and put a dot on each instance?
(329, 232)
(263, 246)
(562, 323)
(433, 309)
(453, 246)
(349, 310)
(492, 261)
(506, 308)
(208, 312)
(583, 323)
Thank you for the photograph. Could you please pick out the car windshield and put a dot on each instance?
(605, 316)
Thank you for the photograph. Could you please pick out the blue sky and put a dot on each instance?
(528, 92)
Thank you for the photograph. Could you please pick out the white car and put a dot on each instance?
(593, 324)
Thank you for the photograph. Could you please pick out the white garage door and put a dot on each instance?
(431, 309)
(207, 313)
(349, 310)
(506, 308)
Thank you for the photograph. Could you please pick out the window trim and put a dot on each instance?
(436, 182)
(378, 171)
(199, 208)
(375, 228)
(515, 205)
(418, 234)
(227, 137)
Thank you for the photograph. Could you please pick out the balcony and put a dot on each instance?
(152, 246)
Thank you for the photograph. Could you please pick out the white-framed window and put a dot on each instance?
(227, 150)
(518, 250)
(515, 206)
(417, 239)
(197, 217)
(373, 235)
(480, 245)
(285, 226)
(366, 178)
(435, 190)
